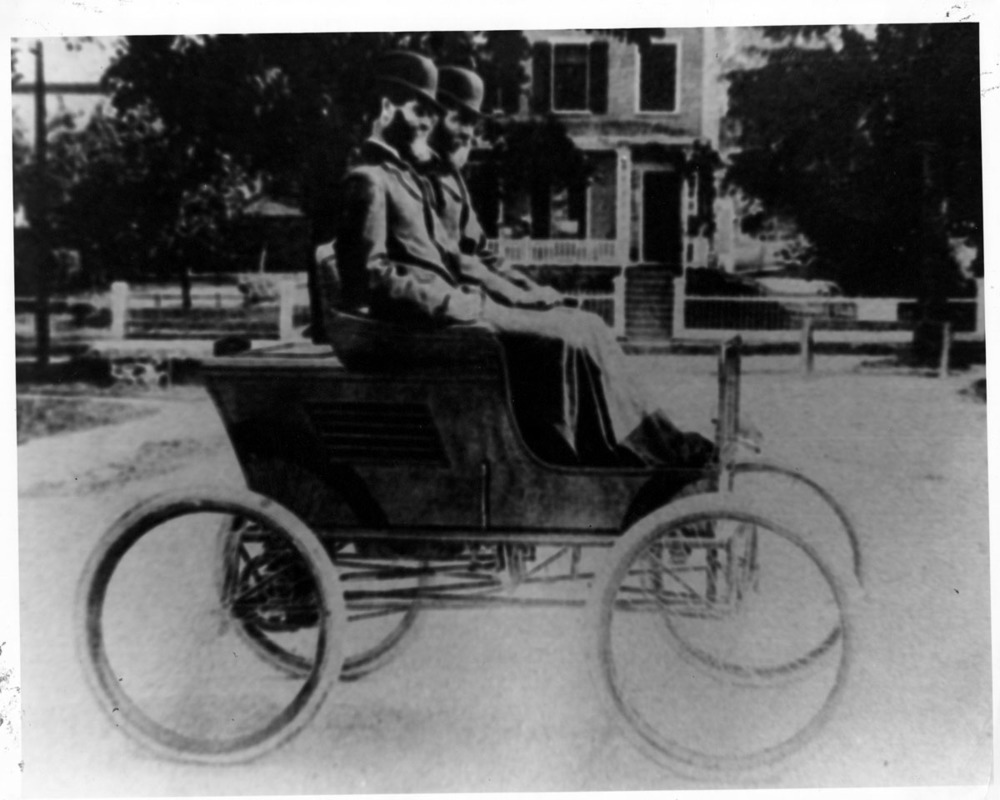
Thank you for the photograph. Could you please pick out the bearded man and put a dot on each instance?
(390, 260)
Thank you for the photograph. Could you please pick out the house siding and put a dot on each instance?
(623, 117)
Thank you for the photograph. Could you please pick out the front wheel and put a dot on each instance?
(161, 646)
(702, 612)
(803, 504)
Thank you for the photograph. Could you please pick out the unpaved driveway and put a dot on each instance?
(501, 700)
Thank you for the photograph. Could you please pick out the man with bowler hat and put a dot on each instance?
(460, 93)
(572, 344)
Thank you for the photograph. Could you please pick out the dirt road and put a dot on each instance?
(501, 700)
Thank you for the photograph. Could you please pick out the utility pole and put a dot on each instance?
(930, 237)
(39, 217)
(39, 212)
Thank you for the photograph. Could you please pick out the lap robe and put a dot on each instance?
(577, 401)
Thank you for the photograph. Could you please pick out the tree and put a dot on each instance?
(201, 124)
(287, 109)
(286, 112)
(110, 195)
(532, 158)
(871, 145)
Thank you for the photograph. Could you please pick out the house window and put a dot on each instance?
(659, 70)
(568, 213)
(548, 212)
(570, 77)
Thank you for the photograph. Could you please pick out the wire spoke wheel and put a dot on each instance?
(381, 596)
(802, 504)
(162, 647)
(704, 613)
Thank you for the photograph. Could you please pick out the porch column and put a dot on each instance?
(725, 233)
(623, 203)
(692, 252)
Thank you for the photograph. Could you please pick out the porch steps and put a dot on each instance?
(649, 298)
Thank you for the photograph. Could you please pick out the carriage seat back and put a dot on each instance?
(364, 344)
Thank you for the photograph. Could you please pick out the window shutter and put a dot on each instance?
(541, 77)
(599, 77)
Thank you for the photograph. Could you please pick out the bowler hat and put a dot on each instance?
(410, 71)
(462, 89)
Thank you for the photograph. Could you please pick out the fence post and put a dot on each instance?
(980, 307)
(806, 346)
(119, 308)
(619, 304)
(679, 327)
(945, 363)
(286, 305)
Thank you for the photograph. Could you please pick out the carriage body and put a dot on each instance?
(434, 445)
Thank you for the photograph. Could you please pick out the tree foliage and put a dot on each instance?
(201, 123)
(288, 109)
(113, 192)
(871, 145)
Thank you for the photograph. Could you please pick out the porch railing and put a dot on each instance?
(560, 251)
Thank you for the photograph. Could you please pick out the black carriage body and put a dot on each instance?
(433, 447)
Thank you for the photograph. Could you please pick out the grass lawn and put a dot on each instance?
(46, 416)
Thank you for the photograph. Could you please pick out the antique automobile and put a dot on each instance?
(389, 480)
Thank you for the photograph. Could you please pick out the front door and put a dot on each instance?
(662, 238)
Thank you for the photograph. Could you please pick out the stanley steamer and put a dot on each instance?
(386, 477)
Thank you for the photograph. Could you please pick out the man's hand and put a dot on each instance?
(543, 297)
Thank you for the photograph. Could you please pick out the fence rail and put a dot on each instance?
(780, 318)
(142, 313)
(159, 314)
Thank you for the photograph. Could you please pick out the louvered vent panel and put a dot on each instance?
(394, 432)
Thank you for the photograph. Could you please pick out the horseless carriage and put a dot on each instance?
(391, 479)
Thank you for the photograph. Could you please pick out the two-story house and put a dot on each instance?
(641, 115)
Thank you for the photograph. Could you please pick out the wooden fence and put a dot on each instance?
(139, 313)
(144, 313)
(780, 318)
(159, 314)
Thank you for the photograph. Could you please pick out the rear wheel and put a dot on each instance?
(162, 647)
(381, 585)
(721, 639)
(381, 597)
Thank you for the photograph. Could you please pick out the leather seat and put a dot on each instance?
(364, 344)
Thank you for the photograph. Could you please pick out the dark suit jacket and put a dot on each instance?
(460, 228)
(387, 254)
